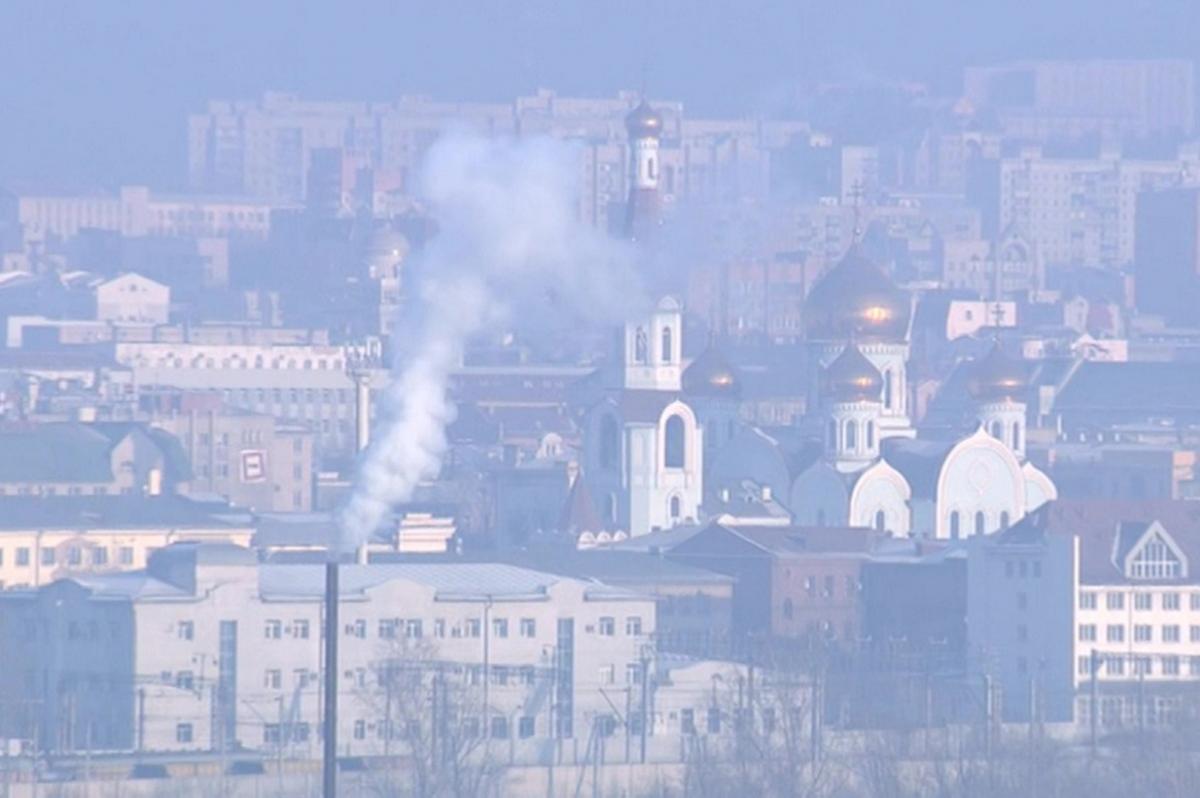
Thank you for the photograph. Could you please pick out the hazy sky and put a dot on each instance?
(98, 91)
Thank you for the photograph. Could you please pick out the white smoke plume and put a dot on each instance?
(508, 237)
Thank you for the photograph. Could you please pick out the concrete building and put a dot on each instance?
(47, 538)
(1043, 100)
(1167, 254)
(133, 212)
(131, 298)
(206, 650)
(1090, 611)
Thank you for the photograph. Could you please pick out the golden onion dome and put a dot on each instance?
(711, 375)
(851, 377)
(644, 122)
(856, 299)
(996, 376)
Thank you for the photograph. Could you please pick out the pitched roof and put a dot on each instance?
(109, 512)
(1145, 388)
(56, 452)
(579, 511)
(1108, 529)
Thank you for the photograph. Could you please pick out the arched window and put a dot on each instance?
(979, 523)
(1016, 436)
(870, 434)
(998, 430)
(851, 435)
(880, 521)
(787, 608)
(640, 346)
(955, 525)
(651, 169)
(674, 507)
(1004, 520)
(887, 389)
(667, 349)
(610, 442)
(675, 448)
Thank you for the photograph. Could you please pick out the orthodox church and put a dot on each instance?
(862, 463)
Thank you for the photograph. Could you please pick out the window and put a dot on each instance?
(48, 557)
(851, 435)
(1085, 666)
(1194, 634)
(412, 628)
(1194, 666)
(1087, 600)
(979, 523)
(1141, 666)
(184, 680)
(674, 452)
(474, 627)
(186, 630)
(272, 679)
(360, 730)
(687, 721)
(1114, 665)
(1170, 666)
(788, 610)
(667, 350)
(183, 732)
(125, 555)
(1143, 601)
(608, 674)
(1170, 633)
(674, 508)
(300, 628)
(273, 629)
(500, 627)
(1114, 601)
(1115, 633)
(633, 673)
(357, 629)
(1193, 601)
(528, 627)
(439, 628)
(714, 721)
(22, 556)
(955, 525)
(607, 626)
(1170, 601)
(870, 434)
(1022, 601)
(100, 556)
(525, 727)
(387, 628)
(633, 626)
(1142, 633)
(880, 521)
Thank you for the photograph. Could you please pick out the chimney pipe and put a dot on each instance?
(329, 762)
(154, 482)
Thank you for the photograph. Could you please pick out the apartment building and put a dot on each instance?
(208, 650)
(46, 538)
(1090, 610)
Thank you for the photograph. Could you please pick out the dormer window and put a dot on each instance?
(1155, 556)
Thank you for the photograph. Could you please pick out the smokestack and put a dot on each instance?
(361, 555)
(329, 762)
(362, 409)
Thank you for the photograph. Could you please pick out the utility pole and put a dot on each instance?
(279, 751)
(1093, 689)
(645, 669)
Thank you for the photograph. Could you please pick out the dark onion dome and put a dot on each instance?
(853, 378)
(711, 375)
(996, 376)
(644, 122)
(856, 299)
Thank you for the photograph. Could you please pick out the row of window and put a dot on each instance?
(1115, 600)
(1142, 633)
(72, 555)
(1121, 664)
(237, 361)
(51, 490)
(414, 628)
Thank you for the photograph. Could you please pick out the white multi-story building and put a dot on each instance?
(1082, 211)
(306, 383)
(208, 650)
(1090, 610)
(134, 211)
